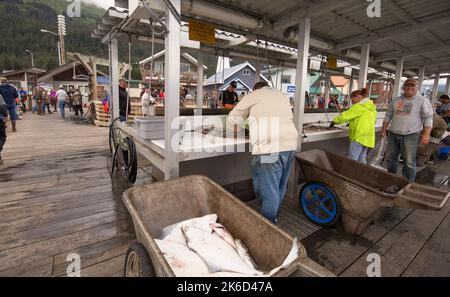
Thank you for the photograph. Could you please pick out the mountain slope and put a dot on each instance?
(22, 20)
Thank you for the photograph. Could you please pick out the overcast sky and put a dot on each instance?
(102, 3)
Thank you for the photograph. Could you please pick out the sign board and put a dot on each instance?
(331, 62)
(202, 32)
(291, 89)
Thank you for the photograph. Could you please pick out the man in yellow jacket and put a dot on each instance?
(362, 117)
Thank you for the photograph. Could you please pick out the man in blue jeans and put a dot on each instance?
(274, 140)
(10, 94)
(407, 115)
(62, 97)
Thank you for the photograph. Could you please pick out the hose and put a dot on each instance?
(129, 161)
(112, 137)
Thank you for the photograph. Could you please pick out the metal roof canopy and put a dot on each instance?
(416, 30)
(413, 33)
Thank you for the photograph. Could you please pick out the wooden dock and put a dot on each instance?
(57, 198)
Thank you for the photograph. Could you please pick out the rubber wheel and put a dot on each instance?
(138, 262)
(320, 204)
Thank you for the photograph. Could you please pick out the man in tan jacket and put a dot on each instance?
(274, 140)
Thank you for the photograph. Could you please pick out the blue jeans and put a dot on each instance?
(62, 105)
(270, 175)
(12, 112)
(358, 152)
(406, 145)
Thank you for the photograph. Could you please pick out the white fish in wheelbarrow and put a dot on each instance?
(238, 245)
(183, 261)
(218, 255)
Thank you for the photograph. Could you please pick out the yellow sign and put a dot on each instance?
(331, 62)
(202, 32)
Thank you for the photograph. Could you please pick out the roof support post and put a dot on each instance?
(327, 90)
(364, 65)
(421, 77)
(370, 87)
(199, 84)
(447, 86)
(435, 87)
(301, 85)
(172, 99)
(114, 76)
(350, 87)
(398, 77)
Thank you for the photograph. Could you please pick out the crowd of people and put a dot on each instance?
(14, 102)
(44, 101)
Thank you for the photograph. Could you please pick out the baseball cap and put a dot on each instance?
(411, 81)
(444, 97)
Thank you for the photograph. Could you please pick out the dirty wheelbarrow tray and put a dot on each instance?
(356, 192)
(156, 206)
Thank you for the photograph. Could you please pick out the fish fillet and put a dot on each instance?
(184, 262)
(173, 232)
(218, 255)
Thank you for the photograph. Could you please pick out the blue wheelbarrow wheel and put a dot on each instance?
(320, 204)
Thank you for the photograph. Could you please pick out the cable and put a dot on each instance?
(129, 158)
(113, 146)
(112, 136)
(278, 72)
(173, 11)
(147, 7)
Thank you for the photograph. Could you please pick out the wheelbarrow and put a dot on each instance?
(156, 206)
(338, 188)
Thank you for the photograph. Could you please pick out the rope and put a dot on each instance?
(223, 68)
(152, 61)
(129, 77)
(267, 60)
(257, 56)
(214, 105)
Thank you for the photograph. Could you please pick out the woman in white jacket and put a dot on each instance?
(148, 104)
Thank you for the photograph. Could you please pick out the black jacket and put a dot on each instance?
(123, 97)
(3, 108)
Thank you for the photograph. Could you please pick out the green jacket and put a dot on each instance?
(362, 117)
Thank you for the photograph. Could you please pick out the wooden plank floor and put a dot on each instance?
(409, 242)
(57, 198)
